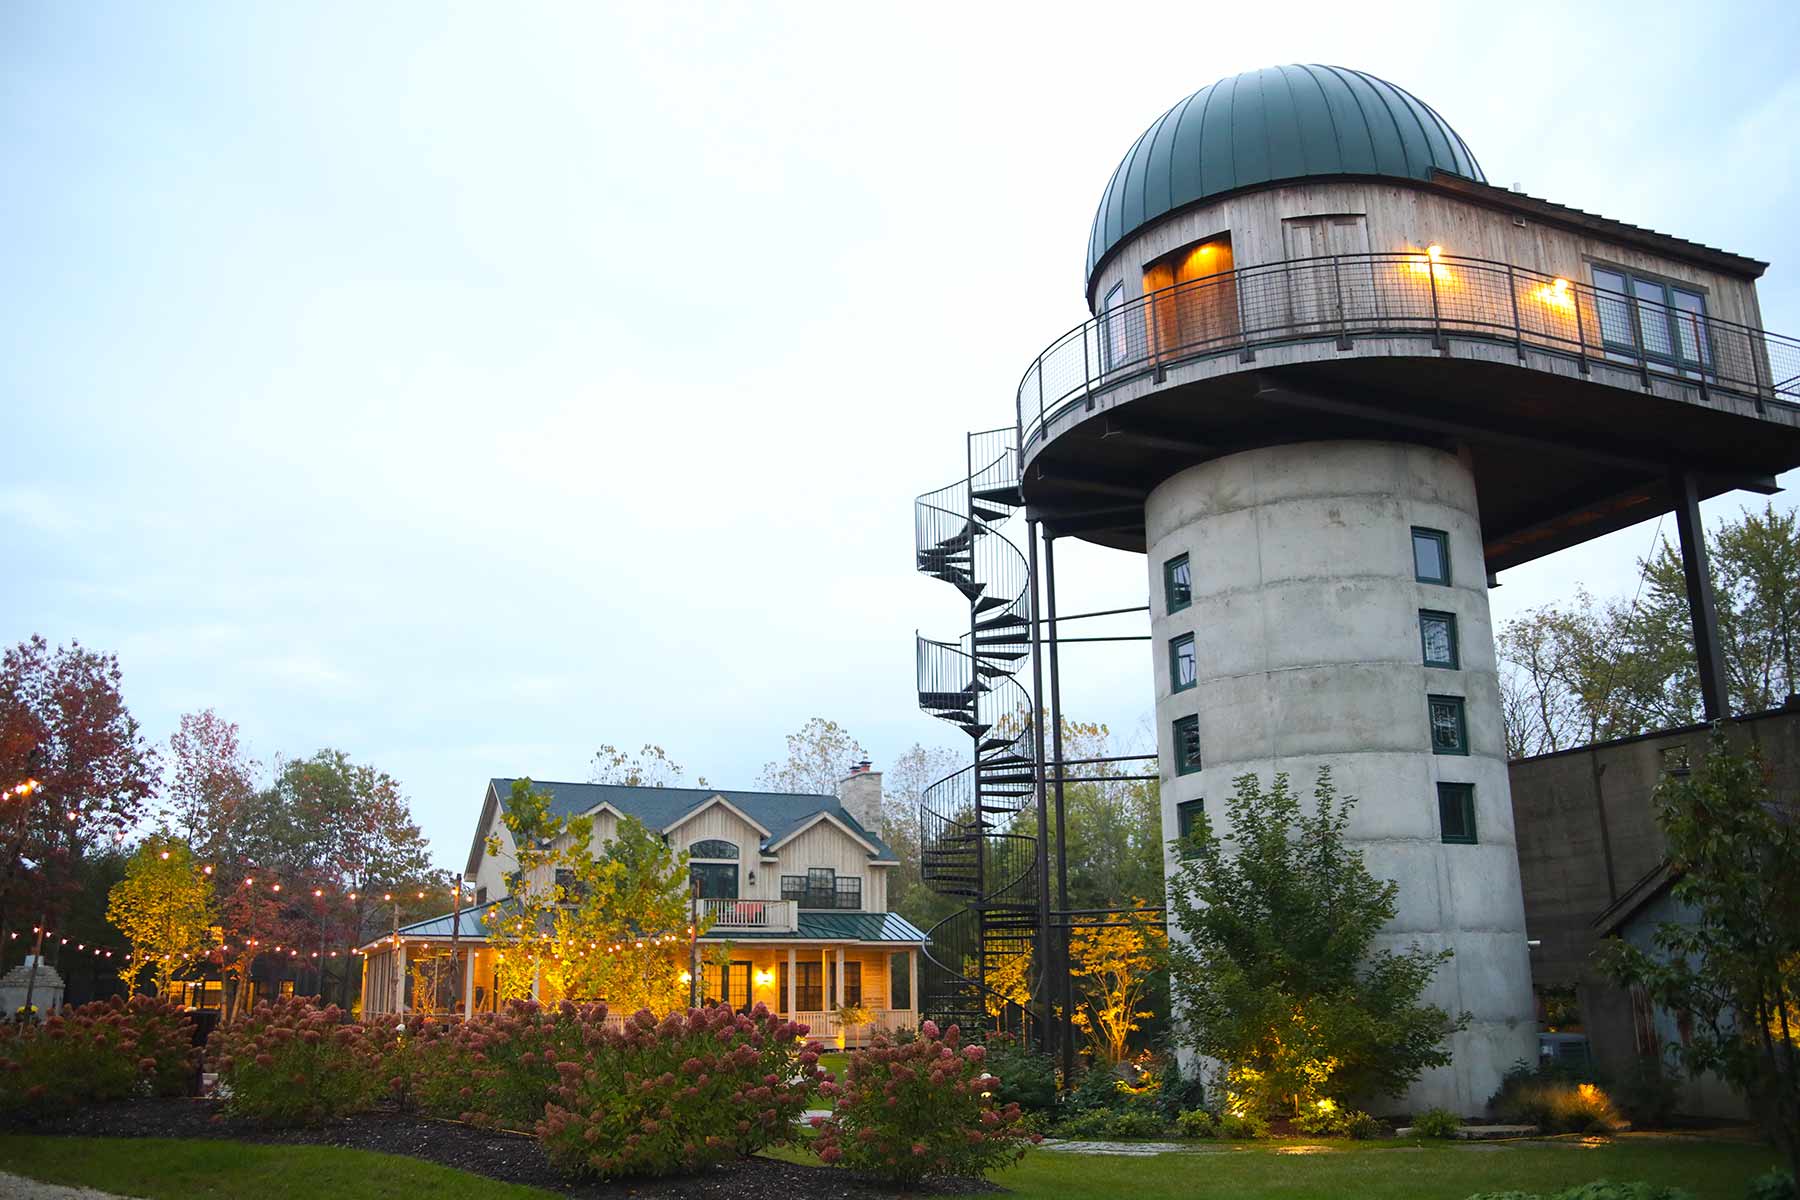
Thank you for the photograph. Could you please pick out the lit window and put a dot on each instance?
(1187, 745)
(1181, 663)
(1437, 637)
(1431, 556)
(1187, 821)
(1456, 812)
(1449, 727)
(1178, 586)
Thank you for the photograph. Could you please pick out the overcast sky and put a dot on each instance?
(467, 386)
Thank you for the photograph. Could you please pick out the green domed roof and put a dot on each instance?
(1267, 126)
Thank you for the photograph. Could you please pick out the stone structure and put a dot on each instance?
(46, 989)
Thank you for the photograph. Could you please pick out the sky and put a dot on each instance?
(467, 386)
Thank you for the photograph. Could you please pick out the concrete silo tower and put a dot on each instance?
(1333, 381)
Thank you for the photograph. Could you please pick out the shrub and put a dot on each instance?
(1647, 1092)
(1600, 1189)
(1771, 1185)
(655, 1097)
(1027, 1078)
(1113, 1123)
(1556, 1106)
(1196, 1123)
(293, 1063)
(908, 1111)
(108, 1050)
(1362, 1127)
(1436, 1123)
(1328, 1120)
(1177, 1092)
(497, 1070)
(1242, 1127)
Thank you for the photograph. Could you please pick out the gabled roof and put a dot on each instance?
(781, 813)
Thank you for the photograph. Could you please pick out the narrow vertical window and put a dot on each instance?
(1456, 812)
(1437, 638)
(1181, 663)
(1187, 820)
(1187, 745)
(1178, 584)
(1449, 726)
(1431, 556)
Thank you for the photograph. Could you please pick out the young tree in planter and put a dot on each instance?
(1735, 971)
(1117, 959)
(164, 907)
(1274, 975)
(547, 851)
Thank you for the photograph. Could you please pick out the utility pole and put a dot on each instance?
(456, 990)
(693, 943)
(37, 956)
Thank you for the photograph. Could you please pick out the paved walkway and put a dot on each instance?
(17, 1187)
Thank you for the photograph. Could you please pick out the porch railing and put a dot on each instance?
(769, 916)
(1347, 297)
(825, 1026)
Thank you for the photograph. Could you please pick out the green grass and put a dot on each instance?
(1377, 1170)
(182, 1170)
(837, 1062)
(166, 1169)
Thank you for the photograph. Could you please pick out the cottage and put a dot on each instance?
(796, 885)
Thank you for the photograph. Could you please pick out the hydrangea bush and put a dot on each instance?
(905, 1112)
(290, 1062)
(655, 1097)
(107, 1050)
(497, 1070)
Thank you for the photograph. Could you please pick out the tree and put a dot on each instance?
(64, 722)
(630, 911)
(649, 767)
(164, 907)
(818, 756)
(1591, 671)
(903, 786)
(209, 782)
(1118, 958)
(1276, 975)
(1734, 969)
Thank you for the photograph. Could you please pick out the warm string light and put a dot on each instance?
(21, 789)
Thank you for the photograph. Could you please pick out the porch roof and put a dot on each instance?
(812, 927)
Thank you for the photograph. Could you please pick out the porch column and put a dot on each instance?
(363, 1008)
(826, 994)
(793, 973)
(468, 983)
(400, 979)
(912, 979)
(840, 976)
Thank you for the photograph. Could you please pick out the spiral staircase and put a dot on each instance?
(978, 831)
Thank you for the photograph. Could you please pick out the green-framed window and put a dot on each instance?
(1181, 663)
(1431, 555)
(1449, 725)
(1187, 745)
(1646, 317)
(1178, 583)
(1437, 639)
(1187, 820)
(1456, 812)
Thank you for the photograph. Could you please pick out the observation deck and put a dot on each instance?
(1573, 401)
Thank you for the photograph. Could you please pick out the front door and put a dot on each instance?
(715, 881)
(728, 983)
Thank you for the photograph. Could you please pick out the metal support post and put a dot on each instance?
(1714, 694)
(1046, 1005)
(1066, 1028)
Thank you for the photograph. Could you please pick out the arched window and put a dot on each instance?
(712, 848)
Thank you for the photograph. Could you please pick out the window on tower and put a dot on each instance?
(1187, 745)
(1456, 812)
(1437, 637)
(1431, 556)
(1181, 663)
(1178, 584)
(1449, 725)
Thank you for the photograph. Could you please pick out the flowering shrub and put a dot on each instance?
(926, 1108)
(292, 1062)
(496, 1071)
(654, 1097)
(107, 1050)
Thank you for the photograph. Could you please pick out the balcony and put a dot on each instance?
(755, 916)
(1575, 401)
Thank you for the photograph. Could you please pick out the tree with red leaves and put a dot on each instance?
(210, 781)
(63, 722)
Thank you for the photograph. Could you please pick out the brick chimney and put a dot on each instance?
(860, 794)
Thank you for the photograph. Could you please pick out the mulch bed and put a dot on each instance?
(505, 1157)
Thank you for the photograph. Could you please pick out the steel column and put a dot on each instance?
(1708, 656)
(1066, 1030)
(1047, 1007)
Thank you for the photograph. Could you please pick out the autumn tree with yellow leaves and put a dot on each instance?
(164, 907)
(1114, 960)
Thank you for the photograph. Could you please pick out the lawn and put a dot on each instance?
(182, 1170)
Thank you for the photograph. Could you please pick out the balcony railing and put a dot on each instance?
(770, 916)
(1351, 296)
